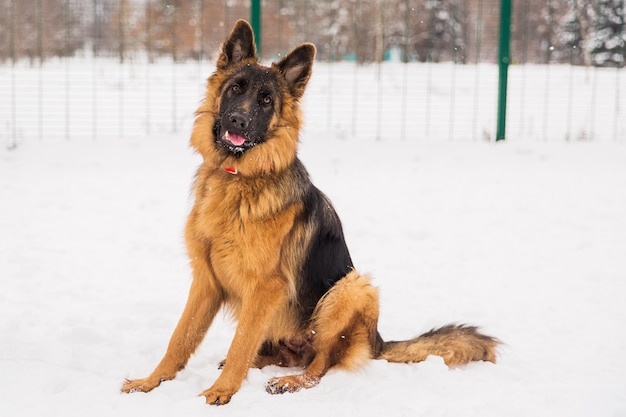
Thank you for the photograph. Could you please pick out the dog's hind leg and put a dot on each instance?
(344, 328)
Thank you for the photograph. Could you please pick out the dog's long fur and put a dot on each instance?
(267, 244)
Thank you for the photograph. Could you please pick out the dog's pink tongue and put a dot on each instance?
(235, 139)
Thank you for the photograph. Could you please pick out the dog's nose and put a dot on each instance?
(239, 120)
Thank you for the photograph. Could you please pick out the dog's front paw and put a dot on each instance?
(216, 396)
(140, 385)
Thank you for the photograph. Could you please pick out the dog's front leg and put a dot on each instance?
(204, 301)
(258, 308)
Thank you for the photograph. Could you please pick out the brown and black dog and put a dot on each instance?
(266, 244)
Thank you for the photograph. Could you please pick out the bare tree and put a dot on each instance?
(37, 29)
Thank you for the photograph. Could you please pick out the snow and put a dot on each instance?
(526, 239)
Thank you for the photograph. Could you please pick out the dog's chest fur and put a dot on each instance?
(244, 222)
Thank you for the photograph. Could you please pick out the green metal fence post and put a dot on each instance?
(255, 21)
(503, 64)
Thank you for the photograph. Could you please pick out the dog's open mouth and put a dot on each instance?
(235, 143)
(234, 138)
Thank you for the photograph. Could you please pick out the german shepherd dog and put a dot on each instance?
(268, 245)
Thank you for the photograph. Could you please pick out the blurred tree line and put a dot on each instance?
(580, 32)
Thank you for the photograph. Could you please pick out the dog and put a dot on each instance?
(266, 244)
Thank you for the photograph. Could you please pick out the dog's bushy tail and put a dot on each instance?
(456, 344)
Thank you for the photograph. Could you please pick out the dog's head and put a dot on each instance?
(251, 102)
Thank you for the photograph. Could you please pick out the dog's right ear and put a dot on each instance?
(239, 45)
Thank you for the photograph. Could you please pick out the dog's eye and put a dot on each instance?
(266, 100)
(236, 88)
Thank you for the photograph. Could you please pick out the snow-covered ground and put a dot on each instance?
(525, 238)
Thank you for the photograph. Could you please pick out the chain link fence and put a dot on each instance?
(413, 69)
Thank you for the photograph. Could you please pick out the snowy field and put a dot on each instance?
(525, 238)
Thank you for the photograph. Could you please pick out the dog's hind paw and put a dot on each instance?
(276, 386)
(293, 383)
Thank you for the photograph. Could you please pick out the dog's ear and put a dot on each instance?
(239, 45)
(296, 68)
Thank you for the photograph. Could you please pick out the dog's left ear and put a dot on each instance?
(296, 67)
(239, 45)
